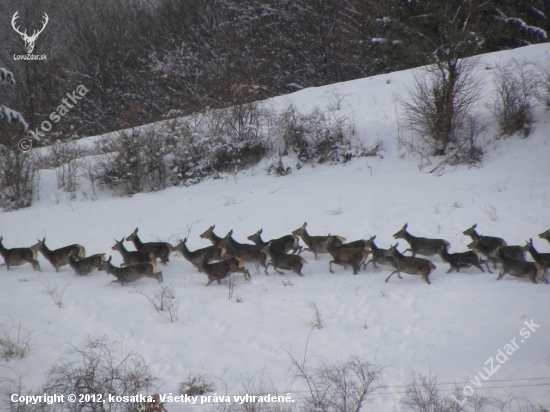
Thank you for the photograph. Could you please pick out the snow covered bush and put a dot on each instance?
(18, 179)
(134, 161)
(512, 104)
(99, 368)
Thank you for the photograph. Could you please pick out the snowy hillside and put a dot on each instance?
(449, 328)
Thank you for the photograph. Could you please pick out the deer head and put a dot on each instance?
(29, 40)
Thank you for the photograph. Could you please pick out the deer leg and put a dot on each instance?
(533, 278)
(477, 265)
(330, 266)
(247, 274)
(449, 271)
(501, 274)
(209, 282)
(298, 270)
(408, 250)
(356, 269)
(426, 279)
(395, 271)
(279, 272)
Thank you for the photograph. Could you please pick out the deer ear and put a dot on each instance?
(406, 226)
(230, 232)
(305, 224)
(474, 226)
(260, 232)
(212, 227)
(374, 237)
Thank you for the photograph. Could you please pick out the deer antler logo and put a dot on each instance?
(29, 40)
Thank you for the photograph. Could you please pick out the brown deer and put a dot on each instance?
(346, 256)
(316, 244)
(545, 235)
(541, 258)
(421, 245)
(249, 253)
(59, 257)
(283, 244)
(84, 266)
(131, 273)
(211, 236)
(212, 253)
(410, 265)
(378, 255)
(133, 257)
(283, 261)
(19, 256)
(161, 249)
(221, 270)
(485, 244)
(462, 260)
(520, 268)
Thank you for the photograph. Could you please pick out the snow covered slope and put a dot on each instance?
(449, 328)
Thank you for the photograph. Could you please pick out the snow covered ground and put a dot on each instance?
(449, 328)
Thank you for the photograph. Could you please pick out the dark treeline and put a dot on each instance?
(143, 59)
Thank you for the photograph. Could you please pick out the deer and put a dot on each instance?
(485, 244)
(84, 266)
(221, 270)
(29, 40)
(161, 249)
(19, 256)
(59, 257)
(316, 244)
(131, 273)
(211, 236)
(212, 253)
(545, 235)
(410, 265)
(346, 256)
(133, 257)
(283, 244)
(462, 260)
(282, 260)
(378, 255)
(421, 245)
(520, 268)
(541, 258)
(511, 252)
(249, 253)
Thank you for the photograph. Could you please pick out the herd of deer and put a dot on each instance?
(227, 256)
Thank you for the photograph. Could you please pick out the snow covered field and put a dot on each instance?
(449, 328)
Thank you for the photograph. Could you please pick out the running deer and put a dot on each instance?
(346, 256)
(84, 266)
(161, 249)
(520, 268)
(316, 244)
(421, 245)
(283, 261)
(283, 244)
(249, 253)
(462, 260)
(541, 258)
(19, 256)
(485, 244)
(131, 273)
(212, 253)
(378, 255)
(59, 257)
(211, 236)
(410, 265)
(221, 270)
(133, 257)
(545, 235)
